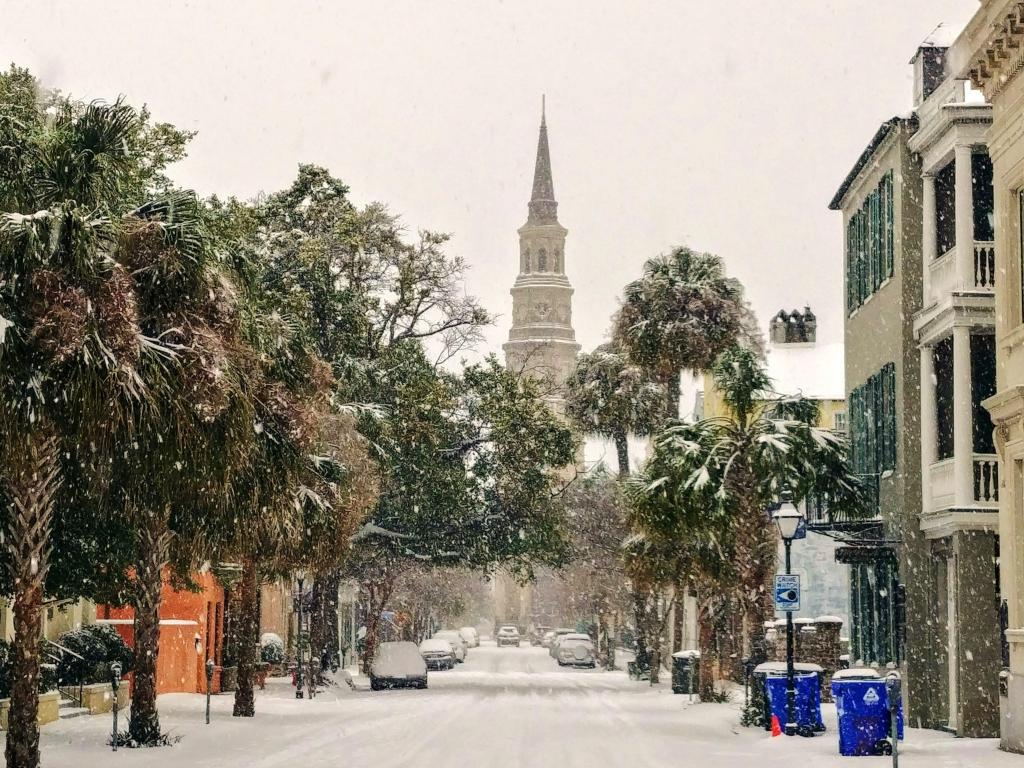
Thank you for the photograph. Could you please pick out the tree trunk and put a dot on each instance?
(640, 621)
(672, 395)
(247, 627)
(706, 634)
(379, 593)
(32, 481)
(153, 544)
(622, 452)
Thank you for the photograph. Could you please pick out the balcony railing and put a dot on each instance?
(985, 490)
(985, 265)
(821, 517)
(986, 479)
(946, 277)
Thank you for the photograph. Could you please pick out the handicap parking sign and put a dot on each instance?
(787, 592)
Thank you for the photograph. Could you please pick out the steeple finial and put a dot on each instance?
(543, 208)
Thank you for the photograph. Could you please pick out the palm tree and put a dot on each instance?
(718, 476)
(68, 337)
(606, 395)
(680, 315)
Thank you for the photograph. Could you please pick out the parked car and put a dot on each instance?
(559, 634)
(508, 635)
(398, 665)
(438, 653)
(471, 636)
(549, 636)
(537, 635)
(576, 650)
(461, 649)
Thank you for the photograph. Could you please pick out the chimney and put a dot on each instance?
(929, 71)
(810, 326)
(777, 328)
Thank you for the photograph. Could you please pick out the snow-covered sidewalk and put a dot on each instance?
(507, 708)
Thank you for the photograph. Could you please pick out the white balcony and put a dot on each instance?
(944, 274)
(986, 484)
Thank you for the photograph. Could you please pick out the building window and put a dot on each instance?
(542, 261)
(526, 260)
(839, 422)
(869, 245)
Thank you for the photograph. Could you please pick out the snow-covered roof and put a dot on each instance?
(811, 369)
(941, 37)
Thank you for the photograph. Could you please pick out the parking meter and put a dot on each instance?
(893, 693)
(209, 687)
(115, 683)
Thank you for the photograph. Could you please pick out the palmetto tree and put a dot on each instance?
(680, 315)
(607, 395)
(720, 474)
(68, 336)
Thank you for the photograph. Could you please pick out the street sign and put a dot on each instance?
(787, 592)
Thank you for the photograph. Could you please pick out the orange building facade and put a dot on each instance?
(191, 631)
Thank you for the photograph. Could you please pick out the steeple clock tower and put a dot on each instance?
(542, 341)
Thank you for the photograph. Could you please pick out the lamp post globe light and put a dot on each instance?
(787, 518)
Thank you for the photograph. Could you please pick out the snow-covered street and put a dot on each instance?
(503, 708)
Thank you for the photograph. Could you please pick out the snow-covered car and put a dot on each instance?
(438, 653)
(461, 649)
(398, 665)
(548, 637)
(537, 635)
(471, 636)
(559, 634)
(508, 635)
(576, 650)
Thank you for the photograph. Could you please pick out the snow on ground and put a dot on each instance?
(503, 708)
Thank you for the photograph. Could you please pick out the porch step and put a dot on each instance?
(69, 709)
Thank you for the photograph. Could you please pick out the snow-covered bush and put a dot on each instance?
(47, 672)
(271, 648)
(99, 645)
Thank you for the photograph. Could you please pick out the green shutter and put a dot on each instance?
(851, 274)
(890, 416)
(889, 225)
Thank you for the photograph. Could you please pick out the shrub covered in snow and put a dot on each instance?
(271, 648)
(47, 671)
(99, 645)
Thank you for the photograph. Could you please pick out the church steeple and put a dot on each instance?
(543, 207)
(541, 340)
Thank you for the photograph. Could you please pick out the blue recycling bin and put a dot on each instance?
(807, 704)
(862, 707)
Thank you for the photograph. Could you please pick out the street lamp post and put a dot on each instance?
(298, 640)
(787, 518)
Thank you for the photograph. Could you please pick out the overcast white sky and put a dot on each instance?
(724, 126)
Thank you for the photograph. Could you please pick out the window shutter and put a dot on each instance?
(889, 225)
(890, 416)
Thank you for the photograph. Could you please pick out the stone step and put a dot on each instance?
(69, 708)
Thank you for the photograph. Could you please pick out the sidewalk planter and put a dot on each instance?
(49, 708)
(99, 698)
